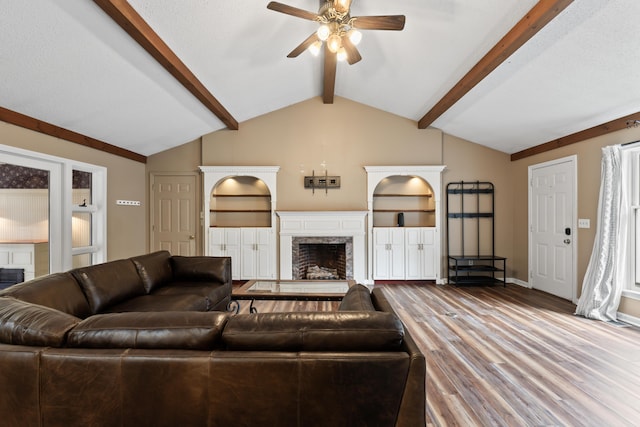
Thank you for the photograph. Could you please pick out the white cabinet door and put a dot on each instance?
(226, 242)
(265, 254)
(420, 254)
(388, 253)
(258, 255)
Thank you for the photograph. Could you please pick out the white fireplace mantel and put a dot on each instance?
(323, 223)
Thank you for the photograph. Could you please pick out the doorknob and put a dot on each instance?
(192, 237)
(567, 241)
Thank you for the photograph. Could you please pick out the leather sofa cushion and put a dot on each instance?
(198, 268)
(357, 298)
(314, 331)
(59, 291)
(24, 323)
(155, 302)
(109, 283)
(159, 330)
(154, 269)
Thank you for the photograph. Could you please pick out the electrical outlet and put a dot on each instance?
(128, 202)
(584, 223)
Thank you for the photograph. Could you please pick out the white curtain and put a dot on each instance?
(608, 269)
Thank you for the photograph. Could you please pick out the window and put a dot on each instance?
(87, 216)
(630, 170)
(75, 221)
(634, 177)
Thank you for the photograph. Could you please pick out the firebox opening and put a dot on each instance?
(322, 258)
(322, 261)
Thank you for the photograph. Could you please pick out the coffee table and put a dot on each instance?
(297, 290)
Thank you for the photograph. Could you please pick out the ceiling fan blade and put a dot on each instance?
(383, 22)
(293, 11)
(329, 76)
(353, 55)
(303, 46)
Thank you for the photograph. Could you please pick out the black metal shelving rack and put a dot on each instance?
(475, 268)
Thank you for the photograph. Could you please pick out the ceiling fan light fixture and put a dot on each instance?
(323, 32)
(342, 54)
(334, 42)
(355, 36)
(315, 48)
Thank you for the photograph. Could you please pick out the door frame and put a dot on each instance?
(198, 212)
(573, 162)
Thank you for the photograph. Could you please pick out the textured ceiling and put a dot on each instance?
(67, 63)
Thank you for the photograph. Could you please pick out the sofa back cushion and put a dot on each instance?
(159, 330)
(201, 268)
(59, 291)
(109, 283)
(24, 323)
(357, 298)
(314, 331)
(154, 269)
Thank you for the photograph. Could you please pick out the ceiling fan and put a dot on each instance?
(338, 29)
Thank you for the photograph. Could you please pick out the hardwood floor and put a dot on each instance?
(513, 357)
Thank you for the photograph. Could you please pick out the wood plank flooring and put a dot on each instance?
(512, 357)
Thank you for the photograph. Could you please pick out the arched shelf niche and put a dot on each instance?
(216, 176)
(386, 181)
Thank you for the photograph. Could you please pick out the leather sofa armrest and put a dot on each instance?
(357, 298)
(160, 330)
(201, 268)
(24, 323)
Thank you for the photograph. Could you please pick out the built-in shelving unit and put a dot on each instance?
(240, 222)
(471, 235)
(404, 222)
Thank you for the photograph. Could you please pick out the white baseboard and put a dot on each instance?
(626, 318)
(518, 282)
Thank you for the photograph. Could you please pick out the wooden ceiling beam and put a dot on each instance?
(539, 16)
(599, 130)
(31, 123)
(130, 21)
(330, 63)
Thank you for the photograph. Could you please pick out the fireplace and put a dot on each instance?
(322, 258)
(325, 236)
(11, 276)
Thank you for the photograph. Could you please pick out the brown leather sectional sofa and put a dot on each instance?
(147, 341)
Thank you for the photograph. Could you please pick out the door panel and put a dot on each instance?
(552, 228)
(175, 214)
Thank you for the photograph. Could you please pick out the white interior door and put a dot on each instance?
(552, 233)
(174, 214)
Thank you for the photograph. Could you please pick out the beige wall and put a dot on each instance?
(125, 180)
(589, 155)
(347, 136)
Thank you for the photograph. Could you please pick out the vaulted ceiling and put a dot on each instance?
(148, 75)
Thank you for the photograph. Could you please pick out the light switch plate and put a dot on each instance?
(584, 223)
